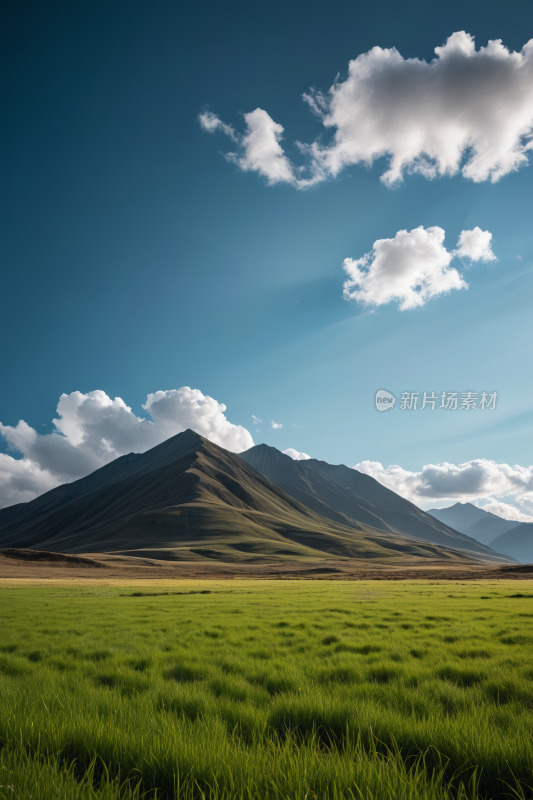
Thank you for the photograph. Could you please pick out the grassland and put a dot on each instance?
(293, 689)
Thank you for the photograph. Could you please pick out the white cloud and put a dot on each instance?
(92, 429)
(256, 420)
(467, 110)
(296, 455)
(22, 480)
(259, 147)
(211, 123)
(276, 424)
(507, 511)
(412, 267)
(476, 245)
(467, 107)
(471, 481)
(176, 410)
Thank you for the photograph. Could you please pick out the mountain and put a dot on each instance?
(473, 521)
(339, 492)
(517, 543)
(486, 530)
(188, 499)
(459, 516)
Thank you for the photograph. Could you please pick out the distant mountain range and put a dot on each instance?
(189, 499)
(517, 543)
(504, 535)
(473, 521)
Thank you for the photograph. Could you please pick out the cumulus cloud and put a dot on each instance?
(507, 511)
(476, 245)
(259, 147)
(468, 482)
(296, 455)
(92, 429)
(276, 424)
(467, 110)
(466, 107)
(412, 267)
(21, 480)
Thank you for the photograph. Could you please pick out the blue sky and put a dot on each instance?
(136, 258)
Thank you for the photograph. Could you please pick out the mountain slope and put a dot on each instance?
(486, 530)
(517, 543)
(190, 499)
(357, 496)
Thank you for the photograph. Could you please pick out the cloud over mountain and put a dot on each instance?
(412, 267)
(468, 111)
(296, 455)
(470, 481)
(92, 430)
(507, 511)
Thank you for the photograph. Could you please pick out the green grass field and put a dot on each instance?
(296, 689)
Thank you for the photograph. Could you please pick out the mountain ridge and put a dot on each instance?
(358, 496)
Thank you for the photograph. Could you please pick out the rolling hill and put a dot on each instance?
(188, 499)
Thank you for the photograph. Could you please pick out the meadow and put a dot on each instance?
(267, 689)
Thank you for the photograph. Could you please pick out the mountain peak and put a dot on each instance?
(177, 447)
(264, 448)
(187, 435)
(460, 516)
